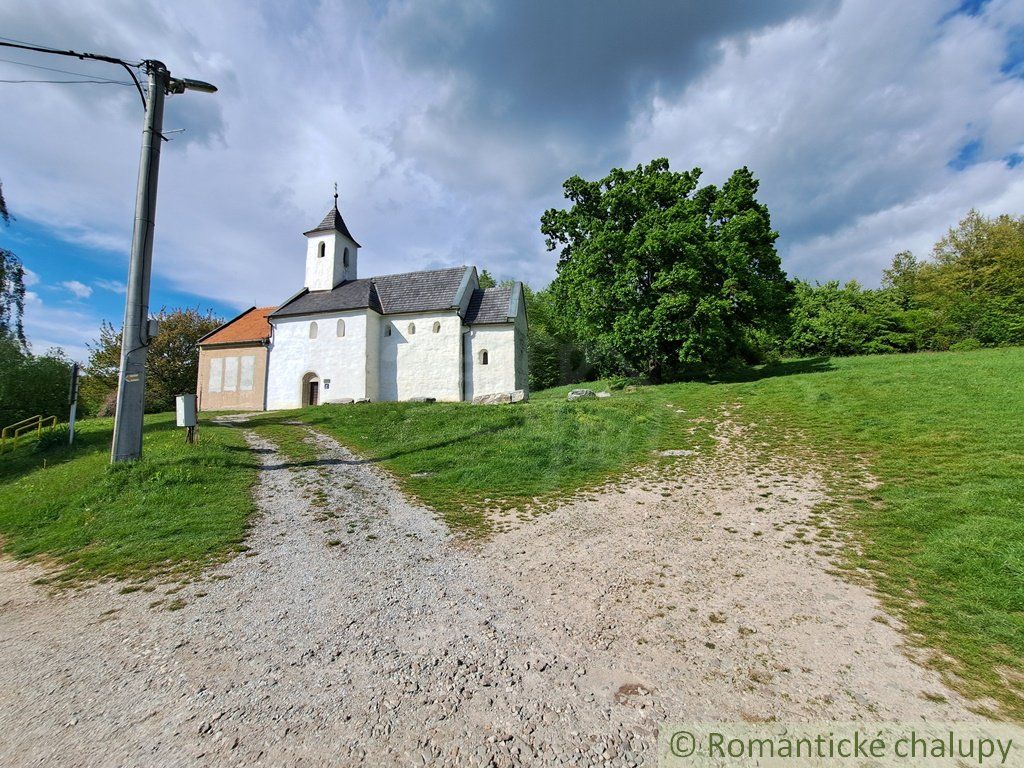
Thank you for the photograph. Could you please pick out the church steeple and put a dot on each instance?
(332, 222)
(331, 251)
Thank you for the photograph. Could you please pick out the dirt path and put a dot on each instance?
(356, 630)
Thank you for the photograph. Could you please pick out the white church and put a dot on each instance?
(420, 335)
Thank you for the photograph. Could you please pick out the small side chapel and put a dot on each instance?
(431, 334)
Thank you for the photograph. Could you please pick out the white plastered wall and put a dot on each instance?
(325, 272)
(373, 331)
(339, 362)
(424, 363)
(499, 375)
(522, 361)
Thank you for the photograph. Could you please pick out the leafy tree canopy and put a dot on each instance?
(485, 280)
(32, 385)
(554, 356)
(172, 364)
(974, 283)
(12, 286)
(831, 319)
(656, 273)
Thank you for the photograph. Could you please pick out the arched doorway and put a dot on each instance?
(310, 390)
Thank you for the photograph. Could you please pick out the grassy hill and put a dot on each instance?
(180, 507)
(942, 535)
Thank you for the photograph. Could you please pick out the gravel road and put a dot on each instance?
(357, 630)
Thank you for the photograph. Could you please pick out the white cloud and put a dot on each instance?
(59, 327)
(31, 278)
(114, 286)
(851, 125)
(77, 289)
(849, 118)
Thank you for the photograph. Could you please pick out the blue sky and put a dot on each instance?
(449, 126)
(79, 285)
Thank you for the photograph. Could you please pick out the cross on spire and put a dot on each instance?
(333, 222)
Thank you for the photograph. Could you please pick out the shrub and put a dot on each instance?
(965, 345)
(52, 439)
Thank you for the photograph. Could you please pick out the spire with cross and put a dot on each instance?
(331, 252)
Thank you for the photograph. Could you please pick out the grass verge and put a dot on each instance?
(942, 536)
(464, 459)
(179, 508)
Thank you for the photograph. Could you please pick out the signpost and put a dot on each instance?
(73, 402)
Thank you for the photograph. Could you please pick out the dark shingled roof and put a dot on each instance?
(419, 291)
(490, 305)
(355, 294)
(387, 294)
(332, 222)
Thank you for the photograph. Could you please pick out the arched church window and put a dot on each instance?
(437, 326)
(412, 328)
(483, 357)
(387, 329)
(321, 250)
(344, 258)
(341, 328)
(312, 330)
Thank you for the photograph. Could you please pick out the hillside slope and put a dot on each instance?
(926, 454)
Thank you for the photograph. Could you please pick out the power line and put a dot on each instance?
(94, 82)
(13, 43)
(22, 45)
(61, 71)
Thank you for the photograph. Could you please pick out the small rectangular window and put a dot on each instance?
(230, 374)
(247, 373)
(216, 373)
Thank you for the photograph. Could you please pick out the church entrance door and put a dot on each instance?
(309, 389)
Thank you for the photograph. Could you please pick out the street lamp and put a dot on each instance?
(182, 84)
(138, 330)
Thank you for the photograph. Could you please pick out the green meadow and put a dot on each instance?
(180, 508)
(943, 433)
(941, 534)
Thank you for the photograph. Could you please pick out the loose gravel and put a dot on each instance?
(356, 630)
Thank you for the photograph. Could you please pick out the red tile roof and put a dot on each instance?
(251, 326)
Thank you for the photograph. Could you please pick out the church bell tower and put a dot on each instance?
(331, 252)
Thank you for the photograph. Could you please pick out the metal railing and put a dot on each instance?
(10, 435)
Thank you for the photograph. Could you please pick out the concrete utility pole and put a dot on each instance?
(138, 330)
(131, 382)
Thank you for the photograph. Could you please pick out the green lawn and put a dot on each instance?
(462, 459)
(179, 508)
(944, 533)
(943, 536)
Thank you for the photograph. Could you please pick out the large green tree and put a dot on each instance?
(172, 363)
(656, 274)
(974, 283)
(12, 286)
(32, 385)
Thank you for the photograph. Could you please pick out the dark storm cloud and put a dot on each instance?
(536, 91)
(450, 126)
(574, 65)
(80, 28)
